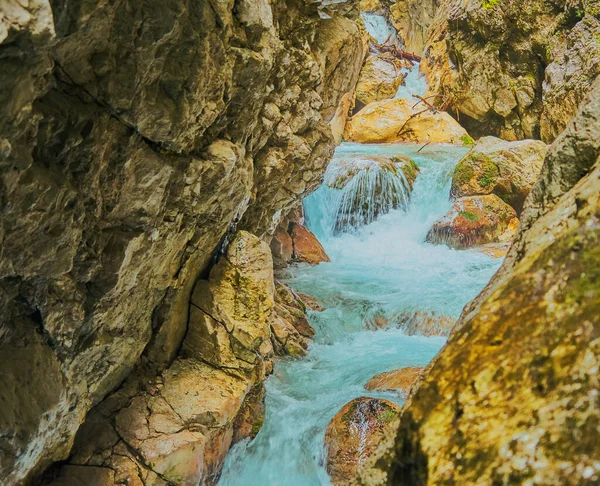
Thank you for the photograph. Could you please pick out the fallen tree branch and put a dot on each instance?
(400, 54)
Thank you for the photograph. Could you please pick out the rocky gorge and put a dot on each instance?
(198, 287)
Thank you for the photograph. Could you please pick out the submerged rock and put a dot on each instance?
(355, 433)
(402, 380)
(367, 186)
(379, 79)
(425, 324)
(396, 120)
(494, 166)
(474, 221)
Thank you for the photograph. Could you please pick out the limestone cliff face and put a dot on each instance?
(132, 136)
(513, 396)
(510, 68)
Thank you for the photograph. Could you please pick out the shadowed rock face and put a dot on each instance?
(132, 135)
(513, 396)
(510, 68)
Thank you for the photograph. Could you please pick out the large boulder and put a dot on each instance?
(397, 120)
(475, 221)
(355, 433)
(379, 79)
(494, 166)
(513, 397)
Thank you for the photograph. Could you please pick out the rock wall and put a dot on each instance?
(134, 136)
(512, 69)
(513, 396)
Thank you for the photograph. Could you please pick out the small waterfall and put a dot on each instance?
(415, 83)
(357, 190)
(379, 28)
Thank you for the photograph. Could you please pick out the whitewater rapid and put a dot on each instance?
(384, 269)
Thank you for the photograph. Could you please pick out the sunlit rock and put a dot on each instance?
(230, 311)
(494, 166)
(401, 380)
(517, 385)
(379, 79)
(355, 433)
(474, 221)
(396, 120)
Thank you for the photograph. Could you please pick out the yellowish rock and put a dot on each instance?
(379, 79)
(354, 434)
(396, 121)
(494, 166)
(475, 221)
(402, 380)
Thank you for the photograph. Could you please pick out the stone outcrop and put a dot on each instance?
(379, 79)
(508, 68)
(512, 398)
(398, 120)
(475, 221)
(354, 434)
(179, 425)
(507, 169)
(401, 380)
(294, 243)
(134, 137)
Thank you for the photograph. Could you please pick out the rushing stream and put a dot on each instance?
(381, 269)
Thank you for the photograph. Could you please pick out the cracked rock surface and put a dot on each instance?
(134, 136)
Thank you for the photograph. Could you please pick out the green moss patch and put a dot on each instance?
(469, 215)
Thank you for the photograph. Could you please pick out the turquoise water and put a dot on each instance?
(384, 269)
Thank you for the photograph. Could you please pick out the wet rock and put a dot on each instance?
(307, 248)
(395, 120)
(507, 169)
(379, 79)
(291, 331)
(493, 250)
(355, 433)
(311, 303)
(402, 380)
(515, 389)
(474, 221)
(425, 324)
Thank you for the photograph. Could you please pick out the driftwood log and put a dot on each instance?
(400, 54)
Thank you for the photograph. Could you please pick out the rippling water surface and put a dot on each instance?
(381, 270)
